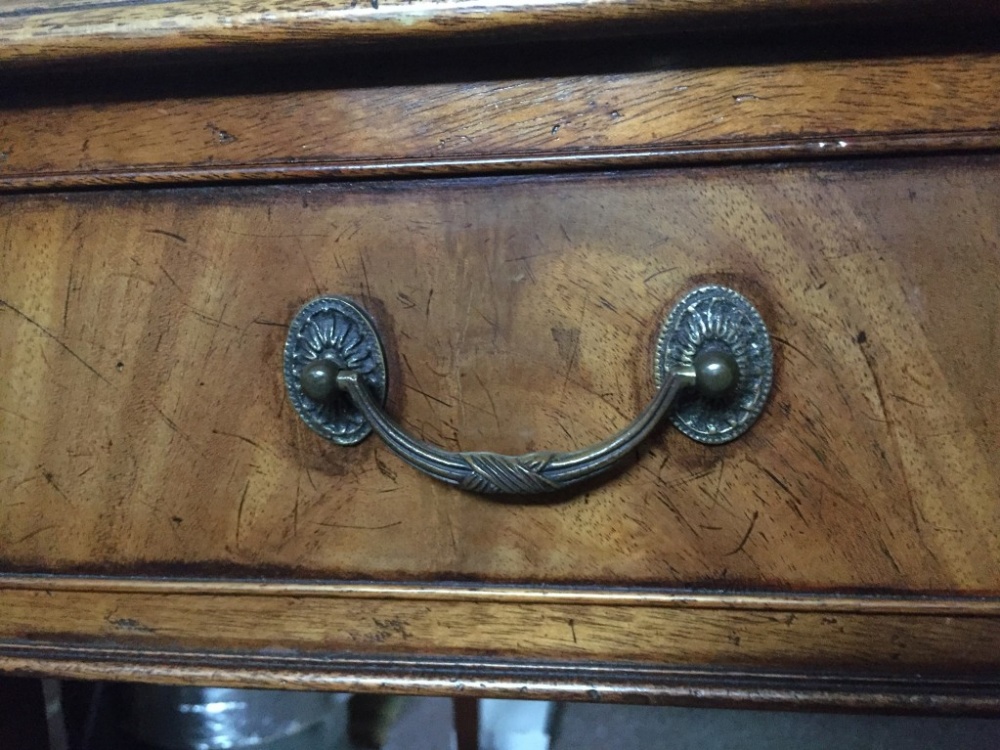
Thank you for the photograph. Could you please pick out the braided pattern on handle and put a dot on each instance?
(495, 473)
(528, 474)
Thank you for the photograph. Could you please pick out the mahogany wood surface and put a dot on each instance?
(741, 639)
(165, 516)
(719, 110)
(46, 31)
(146, 427)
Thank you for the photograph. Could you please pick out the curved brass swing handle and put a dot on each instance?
(530, 473)
(713, 341)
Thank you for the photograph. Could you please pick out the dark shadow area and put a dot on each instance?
(131, 717)
(268, 70)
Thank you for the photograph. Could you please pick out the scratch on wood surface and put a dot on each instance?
(171, 235)
(418, 388)
(53, 337)
(239, 512)
(18, 415)
(383, 468)
(359, 528)
(169, 277)
(890, 428)
(450, 523)
(794, 348)
(204, 317)
(364, 272)
(571, 363)
(33, 534)
(238, 437)
(70, 286)
(309, 476)
(746, 536)
(718, 483)
(309, 268)
(888, 556)
(878, 388)
(682, 480)
(909, 401)
(658, 273)
(528, 256)
(173, 425)
(493, 406)
(50, 478)
(661, 496)
(794, 501)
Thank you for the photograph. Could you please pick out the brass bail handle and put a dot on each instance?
(713, 367)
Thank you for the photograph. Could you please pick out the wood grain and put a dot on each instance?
(733, 112)
(560, 651)
(901, 644)
(164, 516)
(145, 428)
(33, 32)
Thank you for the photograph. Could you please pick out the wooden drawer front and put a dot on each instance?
(145, 426)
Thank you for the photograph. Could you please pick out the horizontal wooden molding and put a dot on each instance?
(846, 147)
(57, 31)
(949, 606)
(577, 632)
(609, 683)
(777, 110)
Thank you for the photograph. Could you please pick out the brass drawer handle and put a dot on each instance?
(713, 365)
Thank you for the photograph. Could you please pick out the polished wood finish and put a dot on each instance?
(728, 636)
(142, 345)
(82, 30)
(725, 112)
(516, 594)
(478, 676)
(164, 515)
